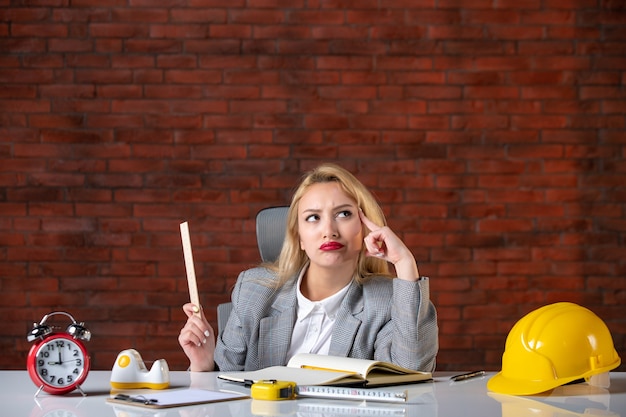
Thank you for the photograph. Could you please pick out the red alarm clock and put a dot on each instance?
(58, 362)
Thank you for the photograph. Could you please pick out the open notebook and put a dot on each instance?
(313, 369)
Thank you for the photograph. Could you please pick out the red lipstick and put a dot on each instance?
(331, 246)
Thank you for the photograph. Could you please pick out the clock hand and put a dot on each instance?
(59, 362)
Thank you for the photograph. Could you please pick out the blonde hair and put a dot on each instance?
(292, 258)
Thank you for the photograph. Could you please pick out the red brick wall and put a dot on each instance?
(493, 133)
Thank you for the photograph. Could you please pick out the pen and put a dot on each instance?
(317, 368)
(138, 399)
(463, 377)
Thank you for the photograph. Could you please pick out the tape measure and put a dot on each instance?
(274, 390)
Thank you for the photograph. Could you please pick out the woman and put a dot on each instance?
(330, 291)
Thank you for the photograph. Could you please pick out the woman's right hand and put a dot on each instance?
(197, 339)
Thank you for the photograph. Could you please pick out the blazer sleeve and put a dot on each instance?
(411, 337)
(237, 348)
(415, 323)
(231, 347)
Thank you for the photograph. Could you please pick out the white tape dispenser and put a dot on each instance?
(129, 372)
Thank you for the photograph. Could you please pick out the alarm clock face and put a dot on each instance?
(59, 363)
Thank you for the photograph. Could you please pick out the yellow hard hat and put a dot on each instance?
(552, 346)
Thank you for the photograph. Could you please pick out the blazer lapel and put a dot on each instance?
(275, 331)
(347, 324)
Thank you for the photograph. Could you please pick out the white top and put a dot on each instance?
(314, 324)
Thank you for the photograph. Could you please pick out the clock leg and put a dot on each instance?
(78, 387)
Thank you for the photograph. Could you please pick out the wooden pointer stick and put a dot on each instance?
(191, 273)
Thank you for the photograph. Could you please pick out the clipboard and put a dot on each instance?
(175, 398)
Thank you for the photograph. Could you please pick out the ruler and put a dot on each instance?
(347, 393)
(191, 272)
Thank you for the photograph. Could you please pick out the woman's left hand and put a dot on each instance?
(383, 243)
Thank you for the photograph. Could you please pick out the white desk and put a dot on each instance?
(439, 398)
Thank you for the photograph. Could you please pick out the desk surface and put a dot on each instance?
(438, 398)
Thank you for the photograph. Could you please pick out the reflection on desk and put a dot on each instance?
(568, 400)
(441, 397)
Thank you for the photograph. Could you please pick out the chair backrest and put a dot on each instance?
(271, 224)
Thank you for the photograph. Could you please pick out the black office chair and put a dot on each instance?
(270, 235)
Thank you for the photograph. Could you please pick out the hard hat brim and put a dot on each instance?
(500, 384)
(503, 385)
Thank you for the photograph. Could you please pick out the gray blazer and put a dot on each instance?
(384, 319)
